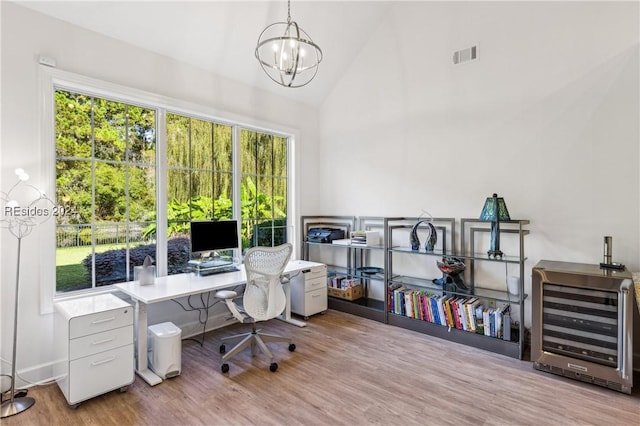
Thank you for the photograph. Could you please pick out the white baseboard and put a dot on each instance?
(194, 328)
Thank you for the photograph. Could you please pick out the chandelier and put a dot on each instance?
(287, 54)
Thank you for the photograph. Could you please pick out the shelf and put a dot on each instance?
(353, 273)
(485, 257)
(424, 283)
(396, 249)
(428, 284)
(473, 240)
(498, 295)
(314, 243)
(474, 256)
(349, 245)
(504, 347)
(435, 252)
(359, 246)
(364, 307)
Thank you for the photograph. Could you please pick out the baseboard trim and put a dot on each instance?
(194, 328)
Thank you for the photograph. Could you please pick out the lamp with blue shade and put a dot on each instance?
(494, 211)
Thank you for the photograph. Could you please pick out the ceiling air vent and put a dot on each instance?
(465, 55)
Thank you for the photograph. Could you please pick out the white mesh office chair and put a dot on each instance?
(263, 299)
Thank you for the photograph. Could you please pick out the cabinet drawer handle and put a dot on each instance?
(315, 295)
(99, 342)
(104, 361)
(103, 320)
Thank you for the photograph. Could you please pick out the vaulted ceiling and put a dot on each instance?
(220, 36)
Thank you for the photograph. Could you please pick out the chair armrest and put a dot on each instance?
(228, 296)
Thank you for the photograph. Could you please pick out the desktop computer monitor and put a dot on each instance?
(213, 235)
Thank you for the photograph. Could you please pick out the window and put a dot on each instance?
(115, 171)
(105, 180)
(263, 189)
(199, 180)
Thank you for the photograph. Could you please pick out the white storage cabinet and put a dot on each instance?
(309, 291)
(94, 346)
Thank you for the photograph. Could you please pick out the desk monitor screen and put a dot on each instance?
(209, 236)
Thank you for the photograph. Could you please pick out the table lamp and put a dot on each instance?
(495, 210)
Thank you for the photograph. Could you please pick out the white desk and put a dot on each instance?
(182, 285)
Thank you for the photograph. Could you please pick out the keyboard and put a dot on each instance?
(214, 263)
(220, 270)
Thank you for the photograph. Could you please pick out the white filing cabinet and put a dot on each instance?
(309, 291)
(94, 346)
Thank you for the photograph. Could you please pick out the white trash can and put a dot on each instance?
(165, 349)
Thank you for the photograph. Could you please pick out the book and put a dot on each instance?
(399, 301)
(416, 304)
(342, 242)
(370, 238)
(428, 308)
(441, 312)
(434, 310)
(449, 311)
(501, 319)
(470, 313)
(408, 303)
(463, 314)
(486, 321)
(492, 323)
(506, 321)
(479, 319)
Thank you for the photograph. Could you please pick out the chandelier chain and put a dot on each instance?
(288, 11)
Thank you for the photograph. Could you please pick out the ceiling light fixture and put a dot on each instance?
(287, 54)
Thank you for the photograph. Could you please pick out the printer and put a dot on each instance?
(324, 235)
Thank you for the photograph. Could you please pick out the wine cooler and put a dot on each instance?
(582, 323)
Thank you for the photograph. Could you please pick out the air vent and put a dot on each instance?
(465, 55)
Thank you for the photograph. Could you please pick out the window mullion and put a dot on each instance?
(161, 192)
(236, 177)
(93, 196)
(127, 197)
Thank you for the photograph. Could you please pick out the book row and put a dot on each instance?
(466, 313)
(342, 282)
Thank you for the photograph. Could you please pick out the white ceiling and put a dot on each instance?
(220, 36)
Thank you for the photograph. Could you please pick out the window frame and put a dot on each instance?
(52, 79)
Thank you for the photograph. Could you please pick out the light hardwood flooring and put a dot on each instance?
(346, 370)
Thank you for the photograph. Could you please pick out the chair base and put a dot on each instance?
(255, 340)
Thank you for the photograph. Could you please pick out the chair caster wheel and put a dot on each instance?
(223, 349)
(273, 367)
(225, 368)
(292, 347)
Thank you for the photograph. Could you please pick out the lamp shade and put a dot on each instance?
(495, 209)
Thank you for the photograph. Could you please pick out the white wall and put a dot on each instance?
(27, 34)
(547, 117)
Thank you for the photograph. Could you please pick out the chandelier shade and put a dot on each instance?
(287, 54)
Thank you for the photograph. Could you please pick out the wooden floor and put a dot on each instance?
(346, 370)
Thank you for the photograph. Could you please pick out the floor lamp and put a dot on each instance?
(20, 218)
